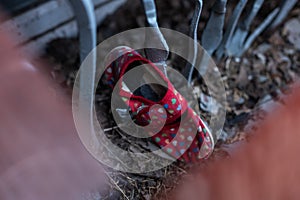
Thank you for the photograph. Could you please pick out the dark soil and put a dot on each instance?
(262, 76)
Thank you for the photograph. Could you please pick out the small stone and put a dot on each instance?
(292, 31)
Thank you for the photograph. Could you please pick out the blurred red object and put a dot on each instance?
(266, 168)
(41, 156)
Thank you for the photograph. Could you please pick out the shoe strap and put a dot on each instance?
(172, 102)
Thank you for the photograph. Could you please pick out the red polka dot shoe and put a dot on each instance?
(181, 132)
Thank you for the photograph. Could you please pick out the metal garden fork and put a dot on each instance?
(160, 56)
(237, 37)
(86, 20)
(235, 40)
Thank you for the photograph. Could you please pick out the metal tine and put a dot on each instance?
(213, 32)
(246, 23)
(230, 29)
(85, 16)
(154, 38)
(237, 42)
(157, 56)
(193, 46)
(286, 6)
(259, 30)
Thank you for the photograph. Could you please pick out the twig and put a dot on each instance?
(116, 185)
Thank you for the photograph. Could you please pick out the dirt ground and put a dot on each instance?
(254, 84)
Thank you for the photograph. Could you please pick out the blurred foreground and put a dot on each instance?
(41, 156)
(266, 168)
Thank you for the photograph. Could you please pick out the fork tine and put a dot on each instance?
(193, 46)
(286, 6)
(259, 30)
(213, 32)
(158, 56)
(85, 17)
(230, 29)
(236, 45)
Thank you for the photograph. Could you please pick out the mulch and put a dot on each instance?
(260, 77)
